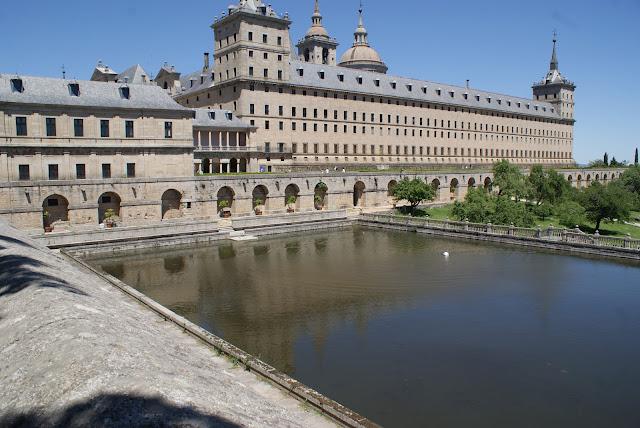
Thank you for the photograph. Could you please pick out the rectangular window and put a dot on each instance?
(266, 110)
(21, 126)
(250, 71)
(267, 147)
(104, 128)
(265, 72)
(168, 130)
(279, 41)
(252, 109)
(106, 170)
(128, 128)
(78, 127)
(264, 38)
(81, 171)
(51, 126)
(23, 172)
(131, 170)
(250, 36)
(53, 172)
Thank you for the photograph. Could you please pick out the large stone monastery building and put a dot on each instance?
(310, 110)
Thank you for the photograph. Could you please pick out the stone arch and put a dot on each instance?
(390, 188)
(588, 179)
(243, 165)
(605, 177)
(108, 201)
(171, 204)
(435, 183)
(54, 208)
(320, 196)
(359, 194)
(260, 196)
(471, 183)
(292, 191)
(488, 184)
(613, 176)
(597, 177)
(454, 186)
(226, 194)
(570, 179)
(579, 181)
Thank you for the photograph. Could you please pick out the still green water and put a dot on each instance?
(383, 323)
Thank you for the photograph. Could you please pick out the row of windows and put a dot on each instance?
(390, 101)
(24, 172)
(78, 127)
(363, 149)
(234, 37)
(389, 119)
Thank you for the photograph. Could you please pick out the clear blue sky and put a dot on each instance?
(500, 45)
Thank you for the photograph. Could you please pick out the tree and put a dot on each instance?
(539, 185)
(414, 191)
(560, 186)
(509, 180)
(508, 211)
(478, 206)
(606, 159)
(609, 202)
(635, 158)
(570, 213)
(631, 180)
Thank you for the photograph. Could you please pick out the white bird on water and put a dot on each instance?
(446, 254)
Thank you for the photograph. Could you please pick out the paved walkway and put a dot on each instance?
(75, 351)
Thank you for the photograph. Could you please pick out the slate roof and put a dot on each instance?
(56, 92)
(135, 75)
(218, 119)
(475, 98)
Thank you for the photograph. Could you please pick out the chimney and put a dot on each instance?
(206, 61)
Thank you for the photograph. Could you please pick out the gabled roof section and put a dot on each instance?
(45, 91)
(167, 70)
(135, 75)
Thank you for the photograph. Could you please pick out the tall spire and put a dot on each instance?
(554, 56)
(361, 32)
(316, 18)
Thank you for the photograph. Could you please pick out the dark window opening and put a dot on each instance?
(78, 127)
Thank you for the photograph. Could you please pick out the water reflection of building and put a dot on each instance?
(268, 296)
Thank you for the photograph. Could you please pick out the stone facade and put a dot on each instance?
(53, 129)
(356, 115)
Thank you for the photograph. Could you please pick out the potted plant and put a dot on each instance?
(291, 202)
(110, 218)
(48, 228)
(258, 206)
(223, 206)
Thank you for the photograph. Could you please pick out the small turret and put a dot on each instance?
(316, 46)
(361, 56)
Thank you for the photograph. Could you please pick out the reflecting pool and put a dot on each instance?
(383, 323)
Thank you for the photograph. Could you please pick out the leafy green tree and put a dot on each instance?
(606, 158)
(414, 191)
(539, 185)
(631, 180)
(609, 202)
(509, 180)
(507, 211)
(615, 163)
(478, 206)
(560, 186)
(598, 163)
(570, 213)
(543, 211)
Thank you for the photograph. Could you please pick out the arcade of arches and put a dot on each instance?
(142, 202)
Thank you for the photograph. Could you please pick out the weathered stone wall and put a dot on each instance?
(141, 200)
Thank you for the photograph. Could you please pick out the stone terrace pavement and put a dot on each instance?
(75, 351)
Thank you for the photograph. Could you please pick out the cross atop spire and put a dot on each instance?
(554, 56)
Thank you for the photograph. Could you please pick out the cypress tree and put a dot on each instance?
(606, 158)
(635, 162)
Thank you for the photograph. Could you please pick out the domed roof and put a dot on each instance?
(361, 55)
(317, 31)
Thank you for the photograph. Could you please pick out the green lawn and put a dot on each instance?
(613, 229)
